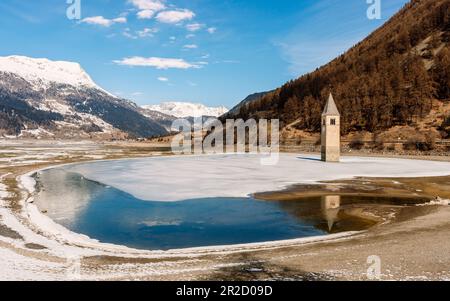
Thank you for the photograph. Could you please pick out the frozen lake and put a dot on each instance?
(195, 177)
(180, 202)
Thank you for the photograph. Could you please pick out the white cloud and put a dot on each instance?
(120, 20)
(153, 5)
(212, 30)
(157, 62)
(190, 46)
(145, 14)
(147, 32)
(194, 26)
(148, 8)
(102, 21)
(190, 36)
(175, 16)
(144, 33)
(163, 79)
(137, 94)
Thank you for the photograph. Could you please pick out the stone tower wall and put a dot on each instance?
(331, 138)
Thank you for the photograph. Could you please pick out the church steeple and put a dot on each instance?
(330, 107)
(331, 132)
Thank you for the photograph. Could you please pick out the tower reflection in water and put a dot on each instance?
(330, 209)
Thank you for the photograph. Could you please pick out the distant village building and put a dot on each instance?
(331, 132)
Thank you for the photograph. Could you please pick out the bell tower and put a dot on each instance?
(331, 132)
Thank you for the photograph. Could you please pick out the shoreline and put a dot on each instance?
(129, 255)
(53, 229)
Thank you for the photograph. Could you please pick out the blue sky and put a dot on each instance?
(209, 51)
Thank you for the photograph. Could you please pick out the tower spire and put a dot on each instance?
(331, 108)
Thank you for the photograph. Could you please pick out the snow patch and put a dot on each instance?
(437, 202)
(15, 267)
(56, 106)
(36, 133)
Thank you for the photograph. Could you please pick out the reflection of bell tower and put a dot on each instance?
(331, 132)
(330, 209)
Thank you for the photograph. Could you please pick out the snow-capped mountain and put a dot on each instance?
(43, 98)
(43, 72)
(186, 109)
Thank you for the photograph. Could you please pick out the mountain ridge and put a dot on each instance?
(187, 109)
(60, 100)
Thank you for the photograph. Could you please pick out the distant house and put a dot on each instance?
(331, 132)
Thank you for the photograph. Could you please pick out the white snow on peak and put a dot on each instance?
(186, 109)
(41, 72)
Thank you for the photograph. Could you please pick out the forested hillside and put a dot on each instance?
(391, 78)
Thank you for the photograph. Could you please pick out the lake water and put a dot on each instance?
(113, 216)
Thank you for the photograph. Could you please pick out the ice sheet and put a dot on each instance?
(189, 177)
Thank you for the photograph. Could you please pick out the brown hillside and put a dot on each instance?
(397, 76)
